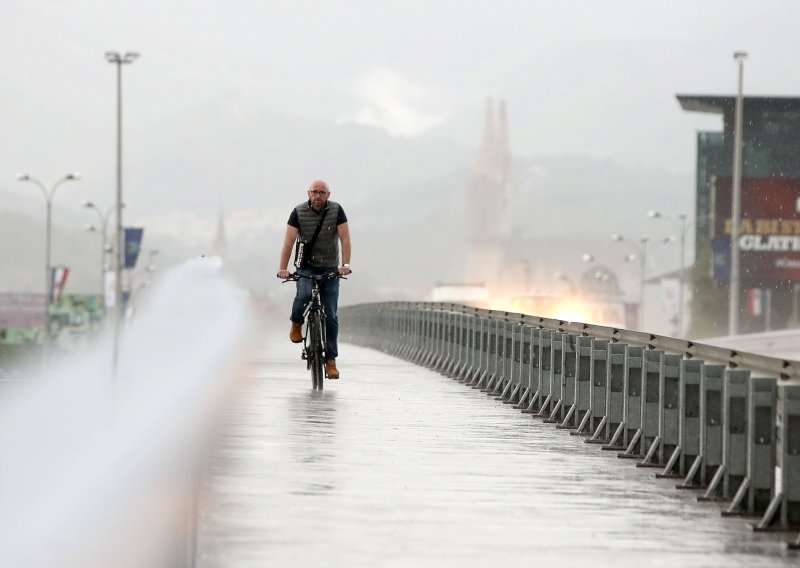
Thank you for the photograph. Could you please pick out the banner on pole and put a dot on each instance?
(755, 301)
(133, 244)
(58, 280)
(670, 292)
(111, 289)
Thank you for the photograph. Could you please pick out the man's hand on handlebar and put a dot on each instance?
(283, 274)
(344, 270)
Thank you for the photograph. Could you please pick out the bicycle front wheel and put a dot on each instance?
(315, 354)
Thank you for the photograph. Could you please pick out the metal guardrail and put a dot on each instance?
(695, 411)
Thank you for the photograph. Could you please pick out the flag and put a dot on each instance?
(670, 292)
(755, 301)
(111, 289)
(58, 279)
(133, 243)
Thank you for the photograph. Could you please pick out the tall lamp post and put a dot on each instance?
(681, 220)
(115, 58)
(736, 202)
(641, 248)
(48, 197)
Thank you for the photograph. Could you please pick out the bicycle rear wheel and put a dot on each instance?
(315, 354)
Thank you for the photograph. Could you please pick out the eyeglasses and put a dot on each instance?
(317, 192)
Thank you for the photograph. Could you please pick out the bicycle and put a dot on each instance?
(314, 338)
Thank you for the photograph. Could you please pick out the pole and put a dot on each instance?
(736, 204)
(682, 277)
(48, 284)
(643, 259)
(119, 233)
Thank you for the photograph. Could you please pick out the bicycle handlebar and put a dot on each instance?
(294, 276)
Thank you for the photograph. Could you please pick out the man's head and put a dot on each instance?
(318, 193)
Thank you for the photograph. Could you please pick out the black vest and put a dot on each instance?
(325, 253)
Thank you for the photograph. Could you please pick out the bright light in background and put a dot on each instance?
(100, 472)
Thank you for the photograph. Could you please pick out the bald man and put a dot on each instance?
(324, 259)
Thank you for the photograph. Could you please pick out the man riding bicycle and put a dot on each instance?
(321, 224)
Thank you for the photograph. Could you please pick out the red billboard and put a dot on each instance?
(769, 230)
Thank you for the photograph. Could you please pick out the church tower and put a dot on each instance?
(489, 214)
(220, 241)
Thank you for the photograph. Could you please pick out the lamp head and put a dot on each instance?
(586, 257)
(616, 237)
(654, 214)
(73, 176)
(130, 56)
(90, 228)
(112, 57)
(88, 204)
(23, 177)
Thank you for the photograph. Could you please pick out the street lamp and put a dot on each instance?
(48, 197)
(736, 202)
(641, 248)
(103, 231)
(115, 58)
(681, 220)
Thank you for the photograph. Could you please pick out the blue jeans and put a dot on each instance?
(329, 297)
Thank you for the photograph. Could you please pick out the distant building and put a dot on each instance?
(489, 201)
(770, 207)
(220, 241)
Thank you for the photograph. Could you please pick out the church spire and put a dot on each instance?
(487, 154)
(220, 242)
(502, 143)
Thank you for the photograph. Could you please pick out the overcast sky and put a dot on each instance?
(582, 77)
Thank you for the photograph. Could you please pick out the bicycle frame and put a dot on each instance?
(314, 338)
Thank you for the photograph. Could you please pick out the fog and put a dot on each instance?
(236, 107)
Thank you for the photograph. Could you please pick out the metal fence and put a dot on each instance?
(723, 422)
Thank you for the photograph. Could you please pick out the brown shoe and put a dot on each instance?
(330, 369)
(296, 333)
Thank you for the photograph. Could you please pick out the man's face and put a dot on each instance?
(318, 195)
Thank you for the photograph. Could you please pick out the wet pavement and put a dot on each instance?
(394, 465)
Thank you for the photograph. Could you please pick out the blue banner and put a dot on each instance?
(133, 243)
(720, 258)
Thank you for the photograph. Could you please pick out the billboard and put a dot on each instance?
(769, 230)
(22, 309)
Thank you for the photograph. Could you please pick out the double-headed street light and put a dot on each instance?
(641, 248)
(681, 221)
(48, 197)
(102, 230)
(115, 58)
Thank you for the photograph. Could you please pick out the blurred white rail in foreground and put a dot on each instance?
(99, 471)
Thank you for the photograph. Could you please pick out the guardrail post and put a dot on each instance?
(561, 343)
(758, 487)
(614, 417)
(543, 345)
(647, 433)
(515, 358)
(688, 446)
(504, 381)
(526, 367)
(595, 419)
(631, 396)
(534, 372)
(491, 355)
(783, 512)
(733, 469)
(483, 364)
(579, 410)
(554, 389)
(668, 413)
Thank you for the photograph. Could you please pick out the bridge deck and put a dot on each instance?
(394, 465)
